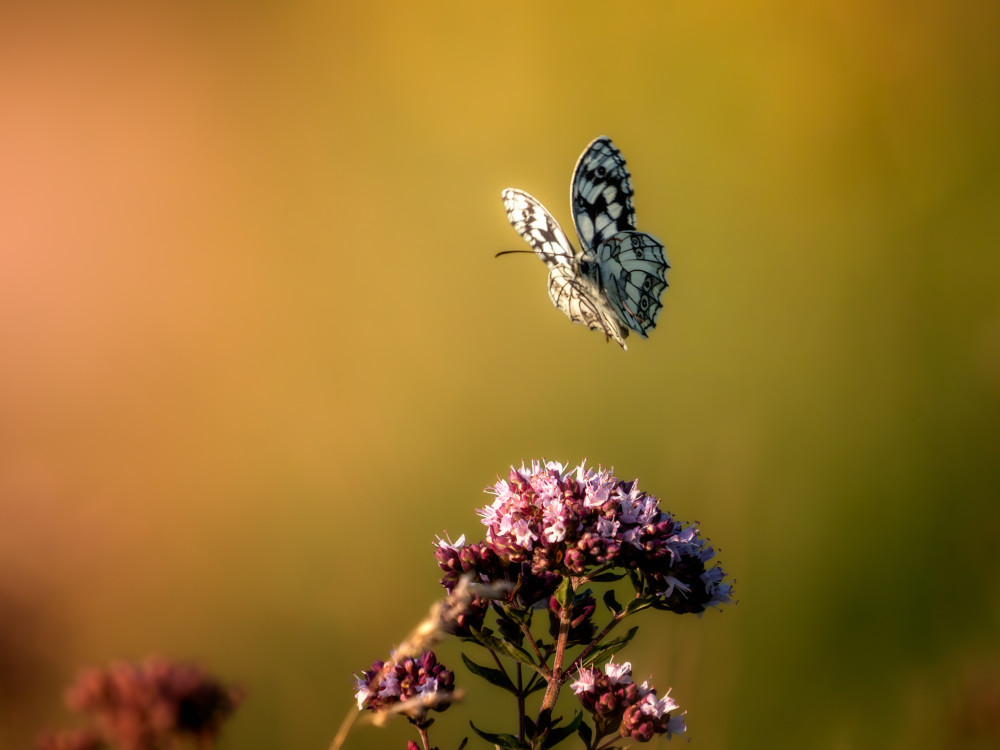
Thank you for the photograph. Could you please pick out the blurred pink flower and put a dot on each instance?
(143, 706)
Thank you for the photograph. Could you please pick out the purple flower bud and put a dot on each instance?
(536, 587)
(606, 704)
(461, 623)
(637, 725)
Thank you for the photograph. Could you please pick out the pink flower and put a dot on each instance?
(149, 704)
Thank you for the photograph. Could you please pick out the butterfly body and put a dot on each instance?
(614, 283)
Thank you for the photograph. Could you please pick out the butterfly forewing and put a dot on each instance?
(575, 296)
(601, 193)
(633, 268)
(536, 225)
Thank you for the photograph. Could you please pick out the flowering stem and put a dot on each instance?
(423, 737)
(557, 675)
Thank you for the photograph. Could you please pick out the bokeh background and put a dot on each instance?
(257, 352)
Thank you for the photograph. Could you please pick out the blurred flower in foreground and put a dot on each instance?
(73, 739)
(411, 686)
(151, 704)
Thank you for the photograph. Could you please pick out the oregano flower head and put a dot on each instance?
(526, 593)
(548, 521)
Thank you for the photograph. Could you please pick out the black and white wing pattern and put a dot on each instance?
(577, 296)
(633, 269)
(632, 265)
(614, 283)
(535, 224)
(601, 193)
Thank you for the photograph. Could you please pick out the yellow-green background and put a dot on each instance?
(257, 353)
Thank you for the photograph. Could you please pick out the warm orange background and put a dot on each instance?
(256, 350)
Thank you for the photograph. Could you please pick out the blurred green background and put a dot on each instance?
(257, 353)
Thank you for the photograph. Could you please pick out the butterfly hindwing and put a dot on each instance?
(633, 268)
(576, 297)
(535, 224)
(601, 193)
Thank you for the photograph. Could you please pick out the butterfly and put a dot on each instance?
(615, 282)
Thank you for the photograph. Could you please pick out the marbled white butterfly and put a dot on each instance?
(615, 282)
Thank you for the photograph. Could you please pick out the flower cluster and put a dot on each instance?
(617, 703)
(423, 680)
(148, 705)
(548, 520)
(554, 536)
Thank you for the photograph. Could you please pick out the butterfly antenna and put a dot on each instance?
(508, 252)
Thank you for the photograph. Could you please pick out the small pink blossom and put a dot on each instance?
(619, 674)
(584, 682)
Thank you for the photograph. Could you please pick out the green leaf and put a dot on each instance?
(558, 734)
(585, 732)
(636, 580)
(625, 638)
(564, 594)
(611, 602)
(610, 648)
(529, 727)
(515, 613)
(501, 740)
(608, 577)
(506, 648)
(638, 604)
(544, 724)
(493, 676)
